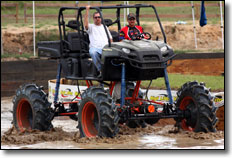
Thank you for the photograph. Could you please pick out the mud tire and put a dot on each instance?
(129, 92)
(31, 109)
(98, 115)
(196, 99)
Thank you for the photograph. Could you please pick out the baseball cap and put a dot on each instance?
(131, 15)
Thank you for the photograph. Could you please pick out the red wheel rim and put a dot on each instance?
(88, 119)
(22, 115)
(183, 105)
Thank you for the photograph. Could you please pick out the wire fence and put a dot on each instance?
(22, 12)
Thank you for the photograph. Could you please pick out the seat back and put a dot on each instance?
(115, 36)
(108, 22)
(77, 43)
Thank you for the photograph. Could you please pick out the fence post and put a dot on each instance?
(33, 3)
(1, 43)
(194, 25)
(17, 12)
(222, 24)
(25, 13)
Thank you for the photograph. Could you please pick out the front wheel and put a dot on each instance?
(198, 106)
(31, 109)
(98, 115)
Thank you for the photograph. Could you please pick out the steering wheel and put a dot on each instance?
(145, 35)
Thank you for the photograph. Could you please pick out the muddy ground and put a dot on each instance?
(65, 135)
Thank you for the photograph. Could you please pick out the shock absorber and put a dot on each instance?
(57, 82)
(168, 86)
(123, 84)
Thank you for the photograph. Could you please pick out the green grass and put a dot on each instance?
(8, 55)
(185, 51)
(198, 51)
(216, 83)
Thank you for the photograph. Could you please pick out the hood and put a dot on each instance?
(140, 45)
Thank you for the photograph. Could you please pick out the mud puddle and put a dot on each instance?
(169, 138)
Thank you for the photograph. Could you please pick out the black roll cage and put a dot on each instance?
(80, 26)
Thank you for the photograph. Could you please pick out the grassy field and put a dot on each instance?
(17, 56)
(216, 83)
(55, 10)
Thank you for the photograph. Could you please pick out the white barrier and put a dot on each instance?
(69, 93)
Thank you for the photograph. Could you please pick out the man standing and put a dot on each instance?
(97, 36)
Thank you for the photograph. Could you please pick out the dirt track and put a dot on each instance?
(213, 67)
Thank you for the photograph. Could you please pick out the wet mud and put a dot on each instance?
(221, 118)
(65, 135)
(12, 136)
(126, 138)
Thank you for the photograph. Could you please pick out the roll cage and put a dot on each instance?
(79, 26)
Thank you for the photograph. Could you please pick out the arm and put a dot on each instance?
(111, 38)
(86, 23)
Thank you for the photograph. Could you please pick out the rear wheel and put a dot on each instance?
(31, 109)
(98, 115)
(199, 108)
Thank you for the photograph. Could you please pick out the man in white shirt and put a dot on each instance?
(97, 36)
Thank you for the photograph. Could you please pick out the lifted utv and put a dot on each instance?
(127, 62)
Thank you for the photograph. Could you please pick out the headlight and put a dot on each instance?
(163, 49)
(125, 50)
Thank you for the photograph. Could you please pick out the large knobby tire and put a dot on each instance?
(98, 115)
(197, 102)
(129, 93)
(31, 109)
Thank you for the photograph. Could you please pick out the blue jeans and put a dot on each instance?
(95, 54)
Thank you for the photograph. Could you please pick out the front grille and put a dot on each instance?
(151, 58)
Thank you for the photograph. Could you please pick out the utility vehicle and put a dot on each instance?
(126, 63)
